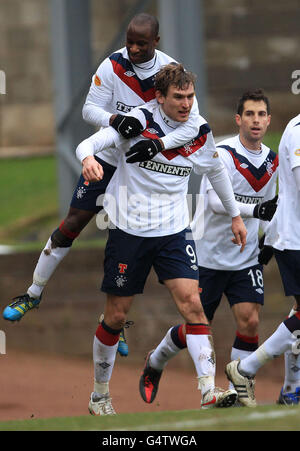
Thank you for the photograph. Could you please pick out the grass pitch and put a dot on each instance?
(262, 418)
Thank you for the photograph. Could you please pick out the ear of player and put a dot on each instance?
(144, 150)
(127, 126)
(266, 210)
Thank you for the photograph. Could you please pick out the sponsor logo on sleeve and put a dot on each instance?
(97, 81)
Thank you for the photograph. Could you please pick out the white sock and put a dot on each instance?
(202, 352)
(100, 388)
(292, 372)
(104, 357)
(163, 352)
(48, 261)
(239, 354)
(292, 368)
(235, 355)
(279, 342)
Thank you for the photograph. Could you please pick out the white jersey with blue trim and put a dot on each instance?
(118, 86)
(253, 178)
(150, 198)
(284, 229)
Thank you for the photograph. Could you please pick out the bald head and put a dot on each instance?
(142, 38)
(145, 20)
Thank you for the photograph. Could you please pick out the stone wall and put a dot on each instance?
(26, 109)
(249, 43)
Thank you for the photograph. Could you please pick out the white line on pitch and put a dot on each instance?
(180, 425)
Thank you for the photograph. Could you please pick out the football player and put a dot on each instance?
(222, 269)
(283, 236)
(146, 203)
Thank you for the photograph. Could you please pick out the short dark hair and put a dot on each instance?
(256, 95)
(173, 74)
(144, 18)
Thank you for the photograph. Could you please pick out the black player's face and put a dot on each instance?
(140, 43)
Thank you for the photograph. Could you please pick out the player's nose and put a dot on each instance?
(185, 103)
(134, 49)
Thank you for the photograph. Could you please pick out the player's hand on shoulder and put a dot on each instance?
(265, 210)
(144, 150)
(127, 126)
(92, 171)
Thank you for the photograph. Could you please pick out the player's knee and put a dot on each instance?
(191, 305)
(248, 325)
(76, 220)
(252, 325)
(73, 223)
(117, 320)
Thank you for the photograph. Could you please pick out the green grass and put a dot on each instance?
(33, 246)
(29, 191)
(262, 418)
(272, 140)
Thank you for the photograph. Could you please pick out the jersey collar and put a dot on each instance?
(167, 120)
(147, 65)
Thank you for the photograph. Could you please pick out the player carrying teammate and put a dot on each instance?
(150, 226)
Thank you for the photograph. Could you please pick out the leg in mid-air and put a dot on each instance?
(123, 348)
(55, 250)
(83, 207)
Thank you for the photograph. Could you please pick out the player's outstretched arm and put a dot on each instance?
(264, 211)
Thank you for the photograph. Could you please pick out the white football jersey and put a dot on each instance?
(118, 86)
(284, 229)
(253, 177)
(149, 198)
